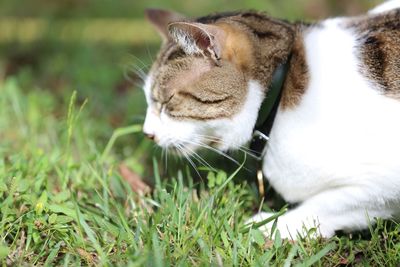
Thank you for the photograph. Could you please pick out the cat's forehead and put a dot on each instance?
(161, 69)
(163, 55)
(175, 73)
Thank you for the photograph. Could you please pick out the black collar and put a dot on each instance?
(268, 110)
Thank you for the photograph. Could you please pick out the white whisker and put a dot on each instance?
(136, 70)
(200, 159)
(185, 154)
(244, 149)
(213, 149)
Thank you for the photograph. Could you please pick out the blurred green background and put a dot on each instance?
(63, 196)
(96, 47)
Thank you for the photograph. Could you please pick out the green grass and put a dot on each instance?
(70, 116)
(63, 201)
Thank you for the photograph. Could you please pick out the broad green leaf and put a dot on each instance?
(62, 219)
(63, 209)
(221, 177)
(3, 186)
(211, 180)
(3, 252)
(62, 196)
(257, 237)
(53, 218)
(278, 240)
(42, 202)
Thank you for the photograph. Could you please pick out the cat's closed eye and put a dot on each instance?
(176, 54)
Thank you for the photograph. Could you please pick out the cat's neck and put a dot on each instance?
(277, 43)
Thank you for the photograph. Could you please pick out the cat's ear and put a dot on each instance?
(198, 38)
(160, 19)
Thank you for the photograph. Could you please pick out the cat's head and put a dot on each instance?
(209, 79)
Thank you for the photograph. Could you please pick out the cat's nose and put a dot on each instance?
(150, 136)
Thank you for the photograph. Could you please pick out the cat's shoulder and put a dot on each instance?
(386, 6)
(378, 43)
(374, 38)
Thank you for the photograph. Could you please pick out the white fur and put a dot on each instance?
(147, 89)
(387, 6)
(338, 151)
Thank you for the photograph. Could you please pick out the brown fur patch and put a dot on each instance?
(380, 50)
(272, 42)
(237, 47)
(297, 77)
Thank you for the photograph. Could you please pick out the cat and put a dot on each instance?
(334, 146)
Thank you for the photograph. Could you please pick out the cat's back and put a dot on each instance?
(378, 38)
(373, 40)
(354, 56)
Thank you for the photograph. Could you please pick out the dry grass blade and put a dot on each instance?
(134, 180)
(90, 258)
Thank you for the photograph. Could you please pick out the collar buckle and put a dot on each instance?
(260, 140)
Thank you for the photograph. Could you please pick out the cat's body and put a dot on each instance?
(335, 143)
(338, 150)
